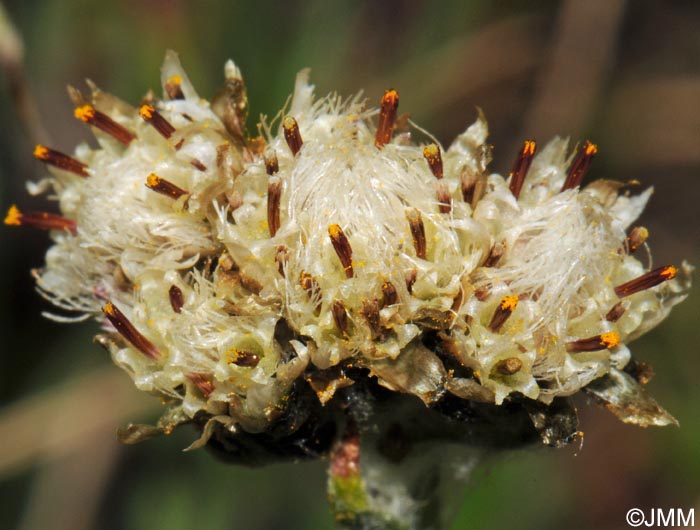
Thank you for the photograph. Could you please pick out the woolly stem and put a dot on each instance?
(417, 492)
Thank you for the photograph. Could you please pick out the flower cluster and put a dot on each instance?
(225, 268)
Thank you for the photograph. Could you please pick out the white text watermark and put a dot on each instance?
(661, 517)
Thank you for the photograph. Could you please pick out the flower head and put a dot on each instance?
(333, 248)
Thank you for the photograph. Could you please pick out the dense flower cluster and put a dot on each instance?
(224, 268)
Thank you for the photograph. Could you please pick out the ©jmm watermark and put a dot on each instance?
(660, 517)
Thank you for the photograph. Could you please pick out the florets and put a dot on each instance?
(225, 269)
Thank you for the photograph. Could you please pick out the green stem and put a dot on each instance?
(386, 479)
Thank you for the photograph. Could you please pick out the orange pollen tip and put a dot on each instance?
(88, 114)
(153, 180)
(40, 220)
(387, 118)
(646, 281)
(521, 167)
(41, 152)
(431, 150)
(503, 312)
(580, 166)
(610, 340)
(669, 272)
(159, 123)
(172, 87)
(433, 156)
(306, 280)
(342, 248)
(164, 187)
(146, 112)
(335, 231)
(606, 341)
(60, 160)
(390, 98)
(13, 217)
(271, 164)
(85, 113)
(509, 303)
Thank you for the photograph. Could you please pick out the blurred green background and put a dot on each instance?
(625, 74)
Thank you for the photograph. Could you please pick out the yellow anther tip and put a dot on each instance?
(13, 217)
(175, 79)
(509, 302)
(41, 152)
(152, 180)
(306, 280)
(431, 150)
(108, 309)
(610, 339)
(669, 272)
(334, 231)
(233, 355)
(84, 112)
(289, 122)
(146, 112)
(390, 97)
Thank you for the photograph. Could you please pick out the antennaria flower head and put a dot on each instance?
(237, 276)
